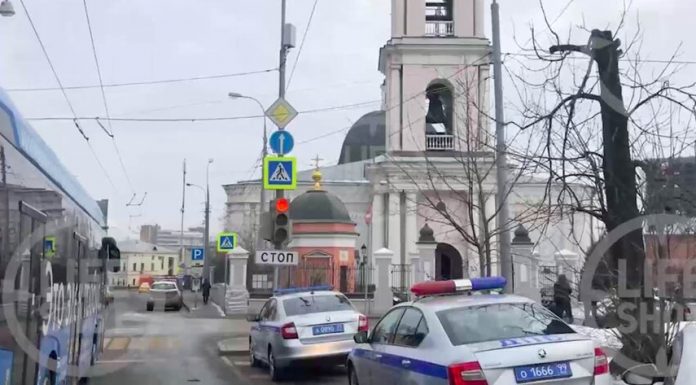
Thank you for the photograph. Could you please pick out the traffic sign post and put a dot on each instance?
(226, 242)
(280, 173)
(281, 142)
(49, 246)
(281, 113)
(276, 258)
(197, 254)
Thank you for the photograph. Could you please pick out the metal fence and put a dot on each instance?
(347, 279)
(401, 277)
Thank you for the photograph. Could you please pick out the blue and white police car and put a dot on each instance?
(297, 326)
(456, 334)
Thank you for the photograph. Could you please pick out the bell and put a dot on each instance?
(436, 112)
(6, 8)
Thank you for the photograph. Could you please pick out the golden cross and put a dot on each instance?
(316, 160)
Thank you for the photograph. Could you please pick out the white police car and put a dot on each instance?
(452, 335)
(313, 325)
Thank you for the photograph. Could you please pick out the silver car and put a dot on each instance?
(477, 339)
(165, 294)
(304, 326)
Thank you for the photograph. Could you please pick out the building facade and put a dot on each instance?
(143, 259)
(426, 158)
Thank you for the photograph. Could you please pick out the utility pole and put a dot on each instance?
(206, 240)
(504, 256)
(181, 235)
(281, 93)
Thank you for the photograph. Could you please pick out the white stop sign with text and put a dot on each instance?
(276, 257)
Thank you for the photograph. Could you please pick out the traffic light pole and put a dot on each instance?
(281, 93)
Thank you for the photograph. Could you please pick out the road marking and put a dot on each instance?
(158, 343)
(118, 343)
(219, 309)
(242, 363)
(140, 343)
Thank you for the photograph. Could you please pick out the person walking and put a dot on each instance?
(561, 297)
(206, 290)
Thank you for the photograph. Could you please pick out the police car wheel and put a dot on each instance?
(252, 358)
(275, 373)
(352, 376)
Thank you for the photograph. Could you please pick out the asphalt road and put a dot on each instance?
(179, 347)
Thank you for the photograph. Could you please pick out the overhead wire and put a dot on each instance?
(302, 43)
(103, 95)
(146, 82)
(65, 95)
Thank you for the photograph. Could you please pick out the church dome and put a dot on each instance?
(365, 139)
(319, 206)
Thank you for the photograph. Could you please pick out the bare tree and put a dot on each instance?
(642, 115)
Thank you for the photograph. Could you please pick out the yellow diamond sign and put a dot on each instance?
(281, 113)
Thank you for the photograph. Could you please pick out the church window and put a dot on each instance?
(439, 18)
(439, 116)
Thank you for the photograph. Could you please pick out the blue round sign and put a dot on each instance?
(281, 142)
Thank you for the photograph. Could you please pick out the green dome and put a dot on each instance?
(319, 206)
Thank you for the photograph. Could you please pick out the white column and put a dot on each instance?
(383, 293)
(237, 260)
(411, 229)
(377, 226)
(394, 231)
(427, 259)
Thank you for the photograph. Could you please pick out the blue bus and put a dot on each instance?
(54, 257)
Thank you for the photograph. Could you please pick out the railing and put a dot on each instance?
(439, 28)
(439, 142)
(400, 278)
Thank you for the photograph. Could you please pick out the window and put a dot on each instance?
(385, 329)
(142, 266)
(268, 311)
(438, 10)
(412, 328)
(164, 286)
(439, 117)
(260, 281)
(135, 266)
(316, 304)
(503, 321)
(162, 263)
(152, 267)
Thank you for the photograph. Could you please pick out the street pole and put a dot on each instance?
(281, 93)
(500, 152)
(181, 235)
(206, 239)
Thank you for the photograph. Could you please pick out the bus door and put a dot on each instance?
(77, 276)
(32, 227)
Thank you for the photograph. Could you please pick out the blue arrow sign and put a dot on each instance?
(197, 254)
(281, 142)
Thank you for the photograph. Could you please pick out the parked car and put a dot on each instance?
(144, 287)
(165, 294)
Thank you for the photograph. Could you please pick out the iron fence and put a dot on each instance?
(401, 277)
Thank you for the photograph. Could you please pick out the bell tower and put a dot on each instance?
(436, 76)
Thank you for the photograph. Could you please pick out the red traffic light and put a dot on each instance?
(282, 205)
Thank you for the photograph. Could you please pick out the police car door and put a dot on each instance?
(382, 368)
(411, 362)
(265, 331)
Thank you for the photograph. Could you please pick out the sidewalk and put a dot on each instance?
(193, 302)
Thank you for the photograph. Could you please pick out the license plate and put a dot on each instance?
(541, 372)
(327, 329)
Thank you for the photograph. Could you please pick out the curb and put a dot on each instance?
(234, 346)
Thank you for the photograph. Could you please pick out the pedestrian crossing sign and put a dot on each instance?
(280, 173)
(226, 242)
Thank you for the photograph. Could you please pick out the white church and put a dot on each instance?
(425, 161)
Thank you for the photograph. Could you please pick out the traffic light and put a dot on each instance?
(281, 220)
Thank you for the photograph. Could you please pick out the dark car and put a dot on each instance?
(165, 295)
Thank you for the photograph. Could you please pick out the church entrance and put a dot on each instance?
(448, 262)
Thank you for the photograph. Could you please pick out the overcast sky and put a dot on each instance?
(145, 40)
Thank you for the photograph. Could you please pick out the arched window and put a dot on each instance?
(439, 117)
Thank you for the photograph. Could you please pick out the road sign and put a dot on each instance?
(197, 254)
(280, 173)
(226, 242)
(281, 142)
(277, 258)
(281, 113)
(49, 246)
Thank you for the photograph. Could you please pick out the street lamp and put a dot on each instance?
(264, 151)
(6, 8)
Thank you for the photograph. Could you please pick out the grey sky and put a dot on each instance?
(141, 40)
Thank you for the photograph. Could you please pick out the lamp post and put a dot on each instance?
(207, 218)
(264, 153)
(6, 8)
(206, 241)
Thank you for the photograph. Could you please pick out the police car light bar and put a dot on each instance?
(458, 285)
(292, 290)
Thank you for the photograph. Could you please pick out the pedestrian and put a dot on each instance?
(206, 290)
(561, 297)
